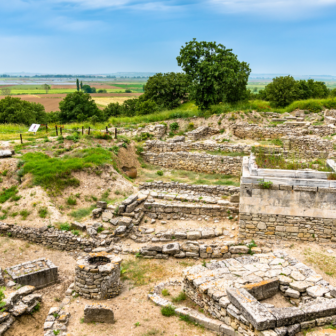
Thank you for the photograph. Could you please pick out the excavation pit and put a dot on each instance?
(99, 261)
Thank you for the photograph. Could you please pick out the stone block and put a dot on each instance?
(101, 204)
(78, 226)
(317, 291)
(194, 235)
(263, 289)
(98, 313)
(172, 248)
(126, 221)
(257, 314)
(316, 310)
(288, 315)
(240, 249)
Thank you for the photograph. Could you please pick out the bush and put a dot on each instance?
(7, 193)
(17, 111)
(266, 184)
(71, 200)
(43, 212)
(309, 105)
(102, 91)
(146, 107)
(168, 311)
(159, 172)
(65, 227)
(24, 214)
(79, 106)
(88, 89)
(113, 110)
(181, 297)
(174, 126)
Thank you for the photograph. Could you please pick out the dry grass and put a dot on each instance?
(324, 262)
(107, 100)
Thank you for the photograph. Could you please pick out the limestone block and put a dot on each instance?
(98, 313)
(317, 291)
(172, 248)
(194, 235)
(292, 293)
(288, 315)
(126, 221)
(101, 204)
(240, 249)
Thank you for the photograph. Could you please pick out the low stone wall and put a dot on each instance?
(193, 249)
(51, 237)
(190, 188)
(197, 162)
(256, 132)
(307, 143)
(158, 146)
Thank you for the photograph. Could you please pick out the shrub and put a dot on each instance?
(17, 111)
(168, 311)
(181, 297)
(65, 226)
(174, 126)
(24, 213)
(43, 212)
(75, 232)
(266, 184)
(165, 292)
(309, 105)
(71, 200)
(159, 172)
(332, 176)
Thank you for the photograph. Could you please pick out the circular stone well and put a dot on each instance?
(98, 276)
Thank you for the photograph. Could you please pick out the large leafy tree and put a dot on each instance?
(168, 90)
(17, 111)
(282, 91)
(79, 106)
(216, 73)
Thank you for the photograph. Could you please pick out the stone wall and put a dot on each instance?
(287, 212)
(197, 162)
(256, 132)
(190, 188)
(162, 146)
(201, 132)
(51, 237)
(307, 143)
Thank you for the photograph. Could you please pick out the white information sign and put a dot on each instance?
(34, 128)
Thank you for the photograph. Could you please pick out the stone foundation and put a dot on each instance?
(197, 162)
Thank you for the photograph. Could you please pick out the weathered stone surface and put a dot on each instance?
(317, 291)
(172, 248)
(98, 313)
(287, 316)
(253, 311)
(292, 293)
(299, 286)
(101, 204)
(126, 221)
(263, 289)
(242, 249)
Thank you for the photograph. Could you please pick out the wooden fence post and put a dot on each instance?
(61, 130)
(21, 138)
(46, 128)
(56, 130)
(115, 133)
(82, 130)
(89, 130)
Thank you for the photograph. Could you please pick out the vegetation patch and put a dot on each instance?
(324, 262)
(55, 173)
(80, 213)
(7, 193)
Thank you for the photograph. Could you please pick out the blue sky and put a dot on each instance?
(106, 36)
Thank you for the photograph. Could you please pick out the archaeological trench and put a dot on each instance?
(240, 283)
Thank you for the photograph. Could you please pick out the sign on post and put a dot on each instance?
(34, 128)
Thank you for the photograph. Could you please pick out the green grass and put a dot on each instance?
(181, 297)
(80, 213)
(168, 311)
(55, 173)
(6, 194)
(43, 212)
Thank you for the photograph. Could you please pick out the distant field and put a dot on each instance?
(51, 101)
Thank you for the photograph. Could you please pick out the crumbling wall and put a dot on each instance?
(196, 162)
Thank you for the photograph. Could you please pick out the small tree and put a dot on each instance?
(77, 84)
(81, 85)
(215, 72)
(79, 106)
(282, 91)
(46, 87)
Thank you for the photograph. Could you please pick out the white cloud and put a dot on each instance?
(272, 6)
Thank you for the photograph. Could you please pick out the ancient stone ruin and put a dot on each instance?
(38, 273)
(98, 276)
